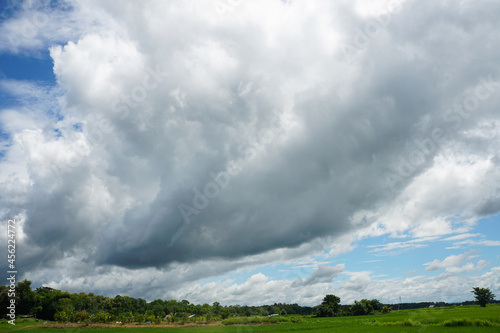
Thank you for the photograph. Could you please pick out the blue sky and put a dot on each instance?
(385, 265)
(253, 153)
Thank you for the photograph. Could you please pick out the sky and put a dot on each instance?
(253, 152)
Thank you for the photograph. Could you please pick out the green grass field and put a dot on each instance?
(452, 319)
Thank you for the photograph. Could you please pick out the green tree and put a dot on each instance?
(26, 297)
(362, 308)
(158, 308)
(224, 312)
(100, 317)
(47, 300)
(66, 305)
(216, 308)
(4, 300)
(376, 305)
(483, 296)
(329, 307)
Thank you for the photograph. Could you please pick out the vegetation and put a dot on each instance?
(454, 319)
(59, 309)
(330, 307)
(483, 296)
(55, 305)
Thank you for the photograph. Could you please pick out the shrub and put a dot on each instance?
(61, 316)
(361, 308)
(81, 316)
(467, 322)
(386, 309)
(100, 317)
(411, 323)
(297, 320)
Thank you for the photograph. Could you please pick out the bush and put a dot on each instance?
(61, 316)
(467, 322)
(81, 316)
(100, 317)
(386, 309)
(411, 323)
(297, 320)
(361, 308)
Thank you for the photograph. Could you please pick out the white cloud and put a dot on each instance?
(36, 25)
(358, 281)
(451, 263)
(324, 274)
(159, 98)
(460, 237)
(395, 247)
(483, 242)
(469, 267)
(414, 271)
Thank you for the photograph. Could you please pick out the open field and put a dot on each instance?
(452, 319)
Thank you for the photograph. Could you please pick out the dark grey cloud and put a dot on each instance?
(490, 206)
(331, 165)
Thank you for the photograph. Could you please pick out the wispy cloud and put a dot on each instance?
(461, 236)
(414, 271)
(397, 247)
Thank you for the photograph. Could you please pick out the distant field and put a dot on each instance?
(452, 319)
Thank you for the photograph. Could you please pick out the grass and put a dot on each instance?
(450, 319)
(262, 320)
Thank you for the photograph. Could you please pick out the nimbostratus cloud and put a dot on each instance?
(187, 135)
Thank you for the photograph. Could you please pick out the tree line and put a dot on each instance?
(331, 307)
(53, 304)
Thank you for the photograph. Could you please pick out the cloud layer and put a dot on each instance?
(181, 135)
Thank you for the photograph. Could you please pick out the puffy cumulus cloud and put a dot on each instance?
(258, 288)
(427, 206)
(469, 267)
(449, 288)
(323, 274)
(272, 131)
(358, 281)
(28, 27)
(452, 262)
